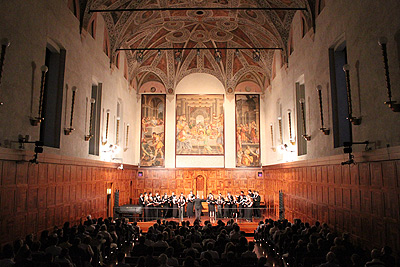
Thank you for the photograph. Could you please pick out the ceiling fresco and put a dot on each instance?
(180, 29)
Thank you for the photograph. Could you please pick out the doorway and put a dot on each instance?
(110, 199)
(200, 186)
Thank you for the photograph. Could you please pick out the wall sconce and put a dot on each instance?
(117, 131)
(272, 137)
(353, 120)
(139, 56)
(39, 118)
(67, 131)
(90, 135)
(218, 56)
(4, 44)
(178, 56)
(291, 139)
(256, 55)
(107, 121)
(321, 111)
(280, 130)
(127, 138)
(303, 116)
(391, 104)
(108, 191)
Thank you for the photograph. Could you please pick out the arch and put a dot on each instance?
(200, 82)
(152, 87)
(106, 43)
(248, 87)
(92, 26)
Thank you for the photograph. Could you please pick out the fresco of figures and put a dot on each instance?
(247, 130)
(199, 125)
(152, 140)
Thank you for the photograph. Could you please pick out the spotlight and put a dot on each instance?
(139, 56)
(159, 52)
(198, 52)
(256, 55)
(237, 52)
(218, 56)
(178, 56)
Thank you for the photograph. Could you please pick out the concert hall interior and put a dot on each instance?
(105, 100)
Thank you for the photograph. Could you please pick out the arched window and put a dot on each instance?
(320, 6)
(106, 43)
(273, 72)
(117, 60)
(118, 122)
(290, 42)
(126, 68)
(303, 27)
(73, 5)
(92, 26)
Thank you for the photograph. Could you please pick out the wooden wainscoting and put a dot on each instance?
(218, 180)
(361, 199)
(35, 197)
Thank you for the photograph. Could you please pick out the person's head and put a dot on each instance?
(205, 263)
(375, 254)
(251, 246)
(188, 262)
(149, 251)
(141, 261)
(169, 252)
(330, 257)
(210, 246)
(8, 251)
(64, 253)
(162, 259)
(261, 261)
(386, 250)
(142, 239)
(230, 256)
(356, 260)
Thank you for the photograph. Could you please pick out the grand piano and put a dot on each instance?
(128, 211)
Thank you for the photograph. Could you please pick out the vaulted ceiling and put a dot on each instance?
(180, 29)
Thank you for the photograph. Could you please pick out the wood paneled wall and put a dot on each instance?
(35, 197)
(361, 199)
(215, 180)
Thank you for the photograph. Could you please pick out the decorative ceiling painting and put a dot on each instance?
(180, 27)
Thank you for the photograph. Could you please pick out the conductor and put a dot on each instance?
(198, 207)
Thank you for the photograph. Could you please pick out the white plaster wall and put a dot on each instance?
(200, 83)
(30, 27)
(361, 25)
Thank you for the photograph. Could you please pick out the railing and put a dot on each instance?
(235, 212)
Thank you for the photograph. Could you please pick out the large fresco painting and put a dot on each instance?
(247, 130)
(199, 125)
(152, 149)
